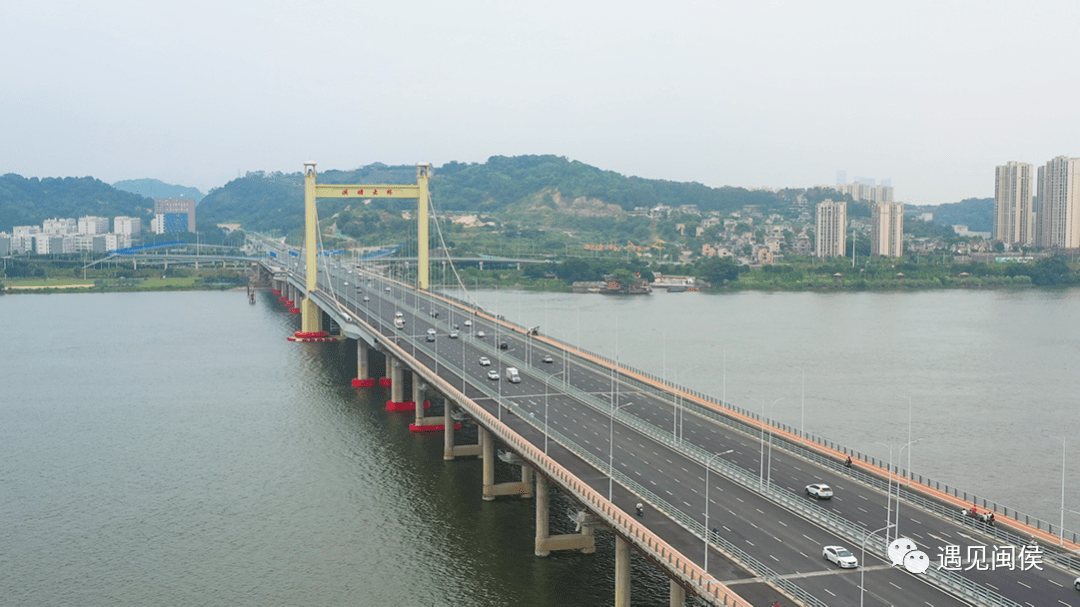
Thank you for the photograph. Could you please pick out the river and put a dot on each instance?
(174, 448)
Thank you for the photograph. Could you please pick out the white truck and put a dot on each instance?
(512, 375)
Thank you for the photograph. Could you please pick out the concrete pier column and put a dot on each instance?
(487, 443)
(542, 513)
(527, 481)
(397, 382)
(363, 377)
(389, 371)
(622, 572)
(363, 365)
(678, 595)
(418, 389)
(448, 436)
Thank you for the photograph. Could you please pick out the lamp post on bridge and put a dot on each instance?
(899, 455)
(708, 465)
(862, 565)
(676, 424)
(1061, 526)
(546, 427)
(611, 446)
(761, 482)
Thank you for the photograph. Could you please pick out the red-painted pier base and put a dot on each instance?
(385, 382)
(363, 383)
(408, 405)
(312, 336)
(432, 427)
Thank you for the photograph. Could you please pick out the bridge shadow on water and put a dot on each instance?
(448, 546)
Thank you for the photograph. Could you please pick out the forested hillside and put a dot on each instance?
(533, 191)
(154, 188)
(29, 201)
(265, 201)
(976, 213)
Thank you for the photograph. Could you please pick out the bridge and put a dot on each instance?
(723, 509)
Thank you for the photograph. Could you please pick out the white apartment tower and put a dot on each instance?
(1014, 210)
(831, 229)
(1058, 213)
(93, 225)
(127, 225)
(887, 230)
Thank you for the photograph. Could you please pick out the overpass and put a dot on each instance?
(726, 522)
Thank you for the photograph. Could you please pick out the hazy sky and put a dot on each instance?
(932, 95)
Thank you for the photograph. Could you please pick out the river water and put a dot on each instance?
(174, 448)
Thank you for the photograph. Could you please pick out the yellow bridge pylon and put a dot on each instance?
(311, 319)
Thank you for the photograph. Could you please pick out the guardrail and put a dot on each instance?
(1062, 557)
(943, 578)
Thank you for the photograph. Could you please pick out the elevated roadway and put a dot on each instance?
(612, 430)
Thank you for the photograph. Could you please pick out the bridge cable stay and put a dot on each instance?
(446, 252)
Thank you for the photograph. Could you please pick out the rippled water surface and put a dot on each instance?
(174, 448)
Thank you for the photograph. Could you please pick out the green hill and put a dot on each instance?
(153, 188)
(267, 201)
(29, 201)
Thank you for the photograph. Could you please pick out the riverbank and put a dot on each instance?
(195, 282)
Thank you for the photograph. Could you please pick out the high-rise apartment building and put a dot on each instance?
(831, 229)
(887, 230)
(127, 225)
(1058, 212)
(1014, 210)
(173, 215)
(93, 225)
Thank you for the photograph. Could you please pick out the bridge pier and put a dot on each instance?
(678, 595)
(427, 424)
(363, 366)
(487, 446)
(397, 384)
(450, 450)
(545, 542)
(622, 572)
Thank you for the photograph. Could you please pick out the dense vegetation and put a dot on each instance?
(29, 201)
(153, 188)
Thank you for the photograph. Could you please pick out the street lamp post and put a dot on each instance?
(546, 428)
(888, 494)
(1061, 526)
(899, 456)
(761, 458)
(708, 465)
(676, 406)
(611, 446)
(862, 568)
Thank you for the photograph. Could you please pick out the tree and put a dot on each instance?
(719, 269)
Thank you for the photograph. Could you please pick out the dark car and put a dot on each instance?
(504, 346)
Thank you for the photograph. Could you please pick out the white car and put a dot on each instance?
(480, 334)
(485, 361)
(548, 359)
(820, 491)
(398, 315)
(468, 323)
(387, 289)
(453, 335)
(493, 374)
(431, 331)
(1076, 583)
(841, 556)
(366, 298)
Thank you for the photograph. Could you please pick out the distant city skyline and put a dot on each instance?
(725, 94)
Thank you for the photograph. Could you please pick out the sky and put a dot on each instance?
(932, 95)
